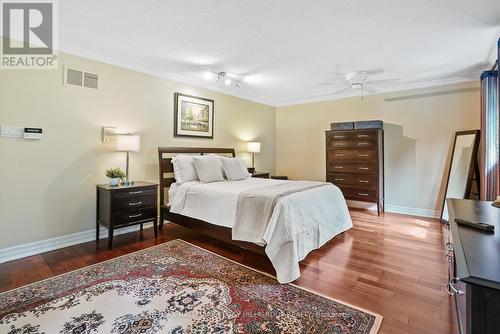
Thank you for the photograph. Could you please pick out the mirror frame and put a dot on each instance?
(472, 166)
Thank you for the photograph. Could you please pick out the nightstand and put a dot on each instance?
(121, 206)
(261, 175)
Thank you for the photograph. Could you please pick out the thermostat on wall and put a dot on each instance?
(32, 133)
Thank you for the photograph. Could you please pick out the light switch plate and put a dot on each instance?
(11, 131)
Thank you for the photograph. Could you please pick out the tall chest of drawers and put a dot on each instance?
(355, 164)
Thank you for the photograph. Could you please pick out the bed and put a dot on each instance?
(301, 216)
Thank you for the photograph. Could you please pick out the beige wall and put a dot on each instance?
(47, 186)
(419, 129)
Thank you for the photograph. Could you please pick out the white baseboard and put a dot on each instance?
(397, 209)
(37, 247)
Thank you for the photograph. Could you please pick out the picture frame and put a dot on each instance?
(193, 116)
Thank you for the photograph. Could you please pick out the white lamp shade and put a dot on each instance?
(253, 147)
(128, 143)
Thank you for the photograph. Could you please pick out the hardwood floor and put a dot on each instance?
(392, 265)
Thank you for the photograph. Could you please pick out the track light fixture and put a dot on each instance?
(223, 78)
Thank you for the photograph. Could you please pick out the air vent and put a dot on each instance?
(80, 78)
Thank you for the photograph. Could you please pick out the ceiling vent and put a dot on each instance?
(80, 78)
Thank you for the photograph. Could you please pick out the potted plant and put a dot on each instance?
(115, 175)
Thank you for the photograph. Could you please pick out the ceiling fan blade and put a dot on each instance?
(332, 83)
(334, 93)
(370, 90)
(382, 81)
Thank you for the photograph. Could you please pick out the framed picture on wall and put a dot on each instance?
(193, 116)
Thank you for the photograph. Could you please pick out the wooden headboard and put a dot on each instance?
(165, 155)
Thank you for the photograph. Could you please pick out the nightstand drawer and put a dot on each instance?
(133, 202)
(128, 193)
(128, 217)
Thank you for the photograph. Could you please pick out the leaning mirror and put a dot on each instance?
(463, 167)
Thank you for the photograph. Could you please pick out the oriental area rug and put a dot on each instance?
(174, 287)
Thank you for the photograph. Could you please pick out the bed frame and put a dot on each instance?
(165, 155)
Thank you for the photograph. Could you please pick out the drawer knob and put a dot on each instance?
(339, 179)
(135, 203)
(363, 168)
(135, 216)
(338, 167)
(362, 155)
(363, 144)
(338, 137)
(362, 194)
(362, 136)
(339, 144)
(135, 192)
(339, 155)
(363, 181)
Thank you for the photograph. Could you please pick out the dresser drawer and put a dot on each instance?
(133, 202)
(358, 194)
(357, 168)
(131, 193)
(353, 144)
(352, 155)
(339, 135)
(127, 217)
(354, 180)
(365, 135)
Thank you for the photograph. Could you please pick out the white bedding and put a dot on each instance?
(301, 222)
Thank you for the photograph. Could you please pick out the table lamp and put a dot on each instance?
(128, 143)
(253, 147)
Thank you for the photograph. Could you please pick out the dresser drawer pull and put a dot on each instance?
(363, 181)
(135, 192)
(363, 168)
(339, 155)
(362, 136)
(362, 155)
(135, 203)
(135, 216)
(339, 144)
(362, 194)
(338, 167)
(339, 179)
(451, 289)
(338, 137)
(363, 144)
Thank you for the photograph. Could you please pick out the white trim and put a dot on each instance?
(405, 210)
(37, 247)
(164, 74)
(385, 90)
(202, 84)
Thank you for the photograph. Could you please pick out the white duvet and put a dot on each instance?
(301, 222)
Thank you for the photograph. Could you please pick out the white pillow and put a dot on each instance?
(208, 168)
(235, 169)
(184, 170)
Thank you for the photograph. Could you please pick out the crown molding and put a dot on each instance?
(201, 84)
(385, 90)
(163, 74)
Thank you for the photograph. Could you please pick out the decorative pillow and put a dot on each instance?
(235, 169)
(184, 170)
(208, 168)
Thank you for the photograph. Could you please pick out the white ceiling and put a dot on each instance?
(284, 49)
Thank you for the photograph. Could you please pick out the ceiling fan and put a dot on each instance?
(358, 81)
